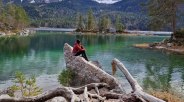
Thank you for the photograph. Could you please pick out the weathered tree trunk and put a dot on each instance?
(137, 89)
(72, 95)
(68, 93)
(65, 92)
(174, 9)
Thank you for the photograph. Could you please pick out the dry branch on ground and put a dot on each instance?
(100, 86)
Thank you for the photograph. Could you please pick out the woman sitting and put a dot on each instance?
(78, 49)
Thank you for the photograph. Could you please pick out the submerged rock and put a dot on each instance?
(169, 44)
(87, 72)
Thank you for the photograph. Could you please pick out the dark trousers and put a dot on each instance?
(83, 53)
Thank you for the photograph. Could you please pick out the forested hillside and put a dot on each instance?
(64, 13)
(12, 18)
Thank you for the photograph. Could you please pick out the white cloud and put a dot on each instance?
(32, 1)
(107, 1)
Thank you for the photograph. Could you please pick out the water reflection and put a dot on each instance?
(49, 42)
(42, 55)
(164, 74)
(12, 46)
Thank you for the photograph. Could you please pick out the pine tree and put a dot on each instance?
(2, 17)
(101, 24)
(91, 20)
(107, 23)
(1, 10)
(26, 86)
(80, 24)
(104, 24)
(10, 9)
(12, 17)
(21, 18)
(1, 5)
(163, 13)
(119, 26)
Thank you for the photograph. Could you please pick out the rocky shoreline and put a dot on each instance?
(24, 32)
(176, 46)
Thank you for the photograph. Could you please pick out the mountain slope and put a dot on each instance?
(64, 13)
(129, 5)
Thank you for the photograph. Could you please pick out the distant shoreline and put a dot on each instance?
(53, 29)
(31, 31)
(160, 33)
(173, 49)
(135, 32)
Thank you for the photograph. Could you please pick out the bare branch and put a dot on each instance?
(86, 99)
(137, 89)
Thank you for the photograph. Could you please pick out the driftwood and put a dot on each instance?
(72, 95)
(69, 93)
(65, 92)
(137, 89)
(100, 85)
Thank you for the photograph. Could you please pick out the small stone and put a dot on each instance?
(57, 99)
(169, 44)
(2, 33)
(4, 96)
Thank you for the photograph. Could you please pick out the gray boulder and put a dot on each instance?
(86, 72)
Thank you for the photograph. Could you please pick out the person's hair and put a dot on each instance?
(78, 41)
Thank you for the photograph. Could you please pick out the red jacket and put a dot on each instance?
(77, 47)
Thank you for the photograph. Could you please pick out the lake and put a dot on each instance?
(42, 55)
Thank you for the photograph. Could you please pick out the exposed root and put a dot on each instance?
(86, 99)
(93, 91)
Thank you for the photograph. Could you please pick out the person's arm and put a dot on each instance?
(80, 48)
(83, 47)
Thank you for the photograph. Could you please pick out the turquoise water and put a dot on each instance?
(42, 55)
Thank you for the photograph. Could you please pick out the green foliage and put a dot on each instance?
(14, 45)
(32, 89)
(12, 18)
(64, 14)
(26, 86)
(163, 13)
(91, 21)
(180, 33)
(104, 23)
(65, 77)
(119, 25)
(1, 5)
(80, 24)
